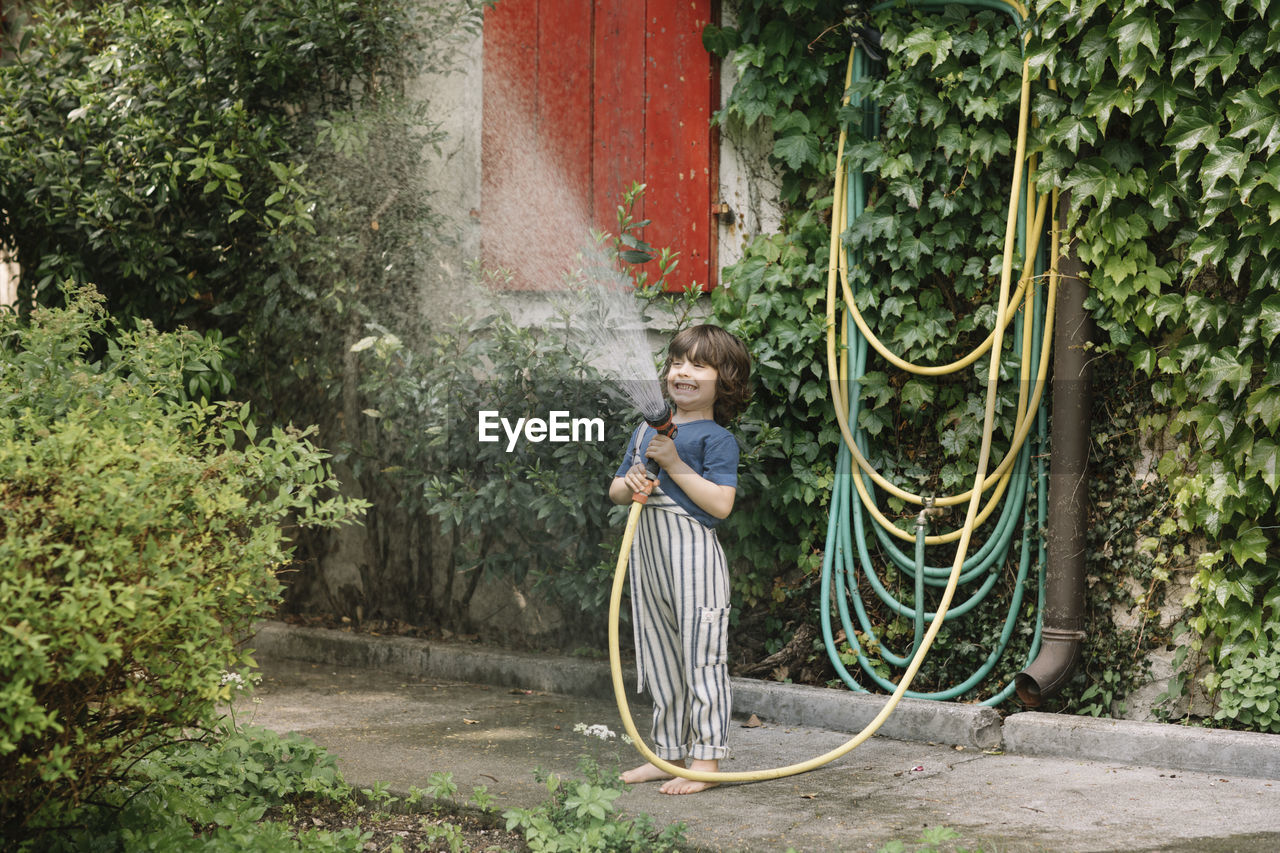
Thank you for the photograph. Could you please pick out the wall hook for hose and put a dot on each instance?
(861, 31)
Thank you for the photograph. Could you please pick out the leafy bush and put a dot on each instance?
(536, 511)
(235, 166)
(515, 510)
(253, 171)
(1248, 692)
(155, 148)
(212, 794)
(140, 536)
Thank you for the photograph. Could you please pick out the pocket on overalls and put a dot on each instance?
(711, 637)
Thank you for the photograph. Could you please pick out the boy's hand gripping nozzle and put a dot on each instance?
(665, 426)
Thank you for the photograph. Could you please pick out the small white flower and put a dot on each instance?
(238, 682)
(601, 731)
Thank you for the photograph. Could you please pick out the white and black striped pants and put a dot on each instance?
(680, 607)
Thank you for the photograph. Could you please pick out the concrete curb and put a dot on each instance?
(841, 711)
(1148, 744)
(975, 726)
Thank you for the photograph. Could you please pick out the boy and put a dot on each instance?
(680, 579)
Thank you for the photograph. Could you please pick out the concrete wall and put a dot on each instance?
(748, 183)
(8, 279)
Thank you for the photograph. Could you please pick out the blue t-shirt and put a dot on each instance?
(705, 446)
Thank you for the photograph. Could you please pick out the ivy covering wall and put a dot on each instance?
(1166, 132)
(1164, 127)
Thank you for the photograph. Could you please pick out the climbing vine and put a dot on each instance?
(1165, 130)
(1166, 133)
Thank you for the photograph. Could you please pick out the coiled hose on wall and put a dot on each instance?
(840, 373)
(847, 554)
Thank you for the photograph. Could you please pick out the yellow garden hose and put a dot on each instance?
(973, 514)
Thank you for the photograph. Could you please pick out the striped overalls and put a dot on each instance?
(680, 607)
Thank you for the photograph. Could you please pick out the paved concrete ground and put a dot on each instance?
(395, 710)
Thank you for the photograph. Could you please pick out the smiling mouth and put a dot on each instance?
(684, 386)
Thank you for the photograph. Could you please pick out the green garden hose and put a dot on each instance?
(1006, 308)
(845, 552)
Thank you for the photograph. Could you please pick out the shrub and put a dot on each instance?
(255, 168)
(212, 794)
(155, 148)
(140, 536)
(516, 511)
(519, 511)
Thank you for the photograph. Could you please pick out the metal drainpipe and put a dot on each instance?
(1063, 630)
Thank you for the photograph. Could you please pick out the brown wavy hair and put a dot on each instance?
(713, 346)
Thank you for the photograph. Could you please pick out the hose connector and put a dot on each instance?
(922, 519)
(663, 424)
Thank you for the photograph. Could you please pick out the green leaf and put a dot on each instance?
(1165, 95)
(1087, 180)
(923, 43)
(796, 150)
(1264, 460)
(1224, 369)
(917, 394)
(720, 41)
(1249, 545)
(1105, 97)
(1264, 406)
(1138, 30)
(1256, 119)
(1190, 130)
(1207, 248)
(1169, 306)
(1073, 132)
(1269, 318)
(1226, 159)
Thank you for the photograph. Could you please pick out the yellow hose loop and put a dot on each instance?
(835, 267)
(1003, 472)
(934, 538)
(620, 692)
(961, 363)
(966, 534)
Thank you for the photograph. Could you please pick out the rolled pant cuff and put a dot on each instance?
(708, 753)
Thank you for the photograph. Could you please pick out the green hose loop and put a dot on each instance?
(847, 549)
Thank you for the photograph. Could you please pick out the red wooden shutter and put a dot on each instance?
(581, 100)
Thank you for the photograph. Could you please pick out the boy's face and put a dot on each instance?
(692, 384)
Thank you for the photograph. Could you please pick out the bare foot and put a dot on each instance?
(680, 785)
(644, 773)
